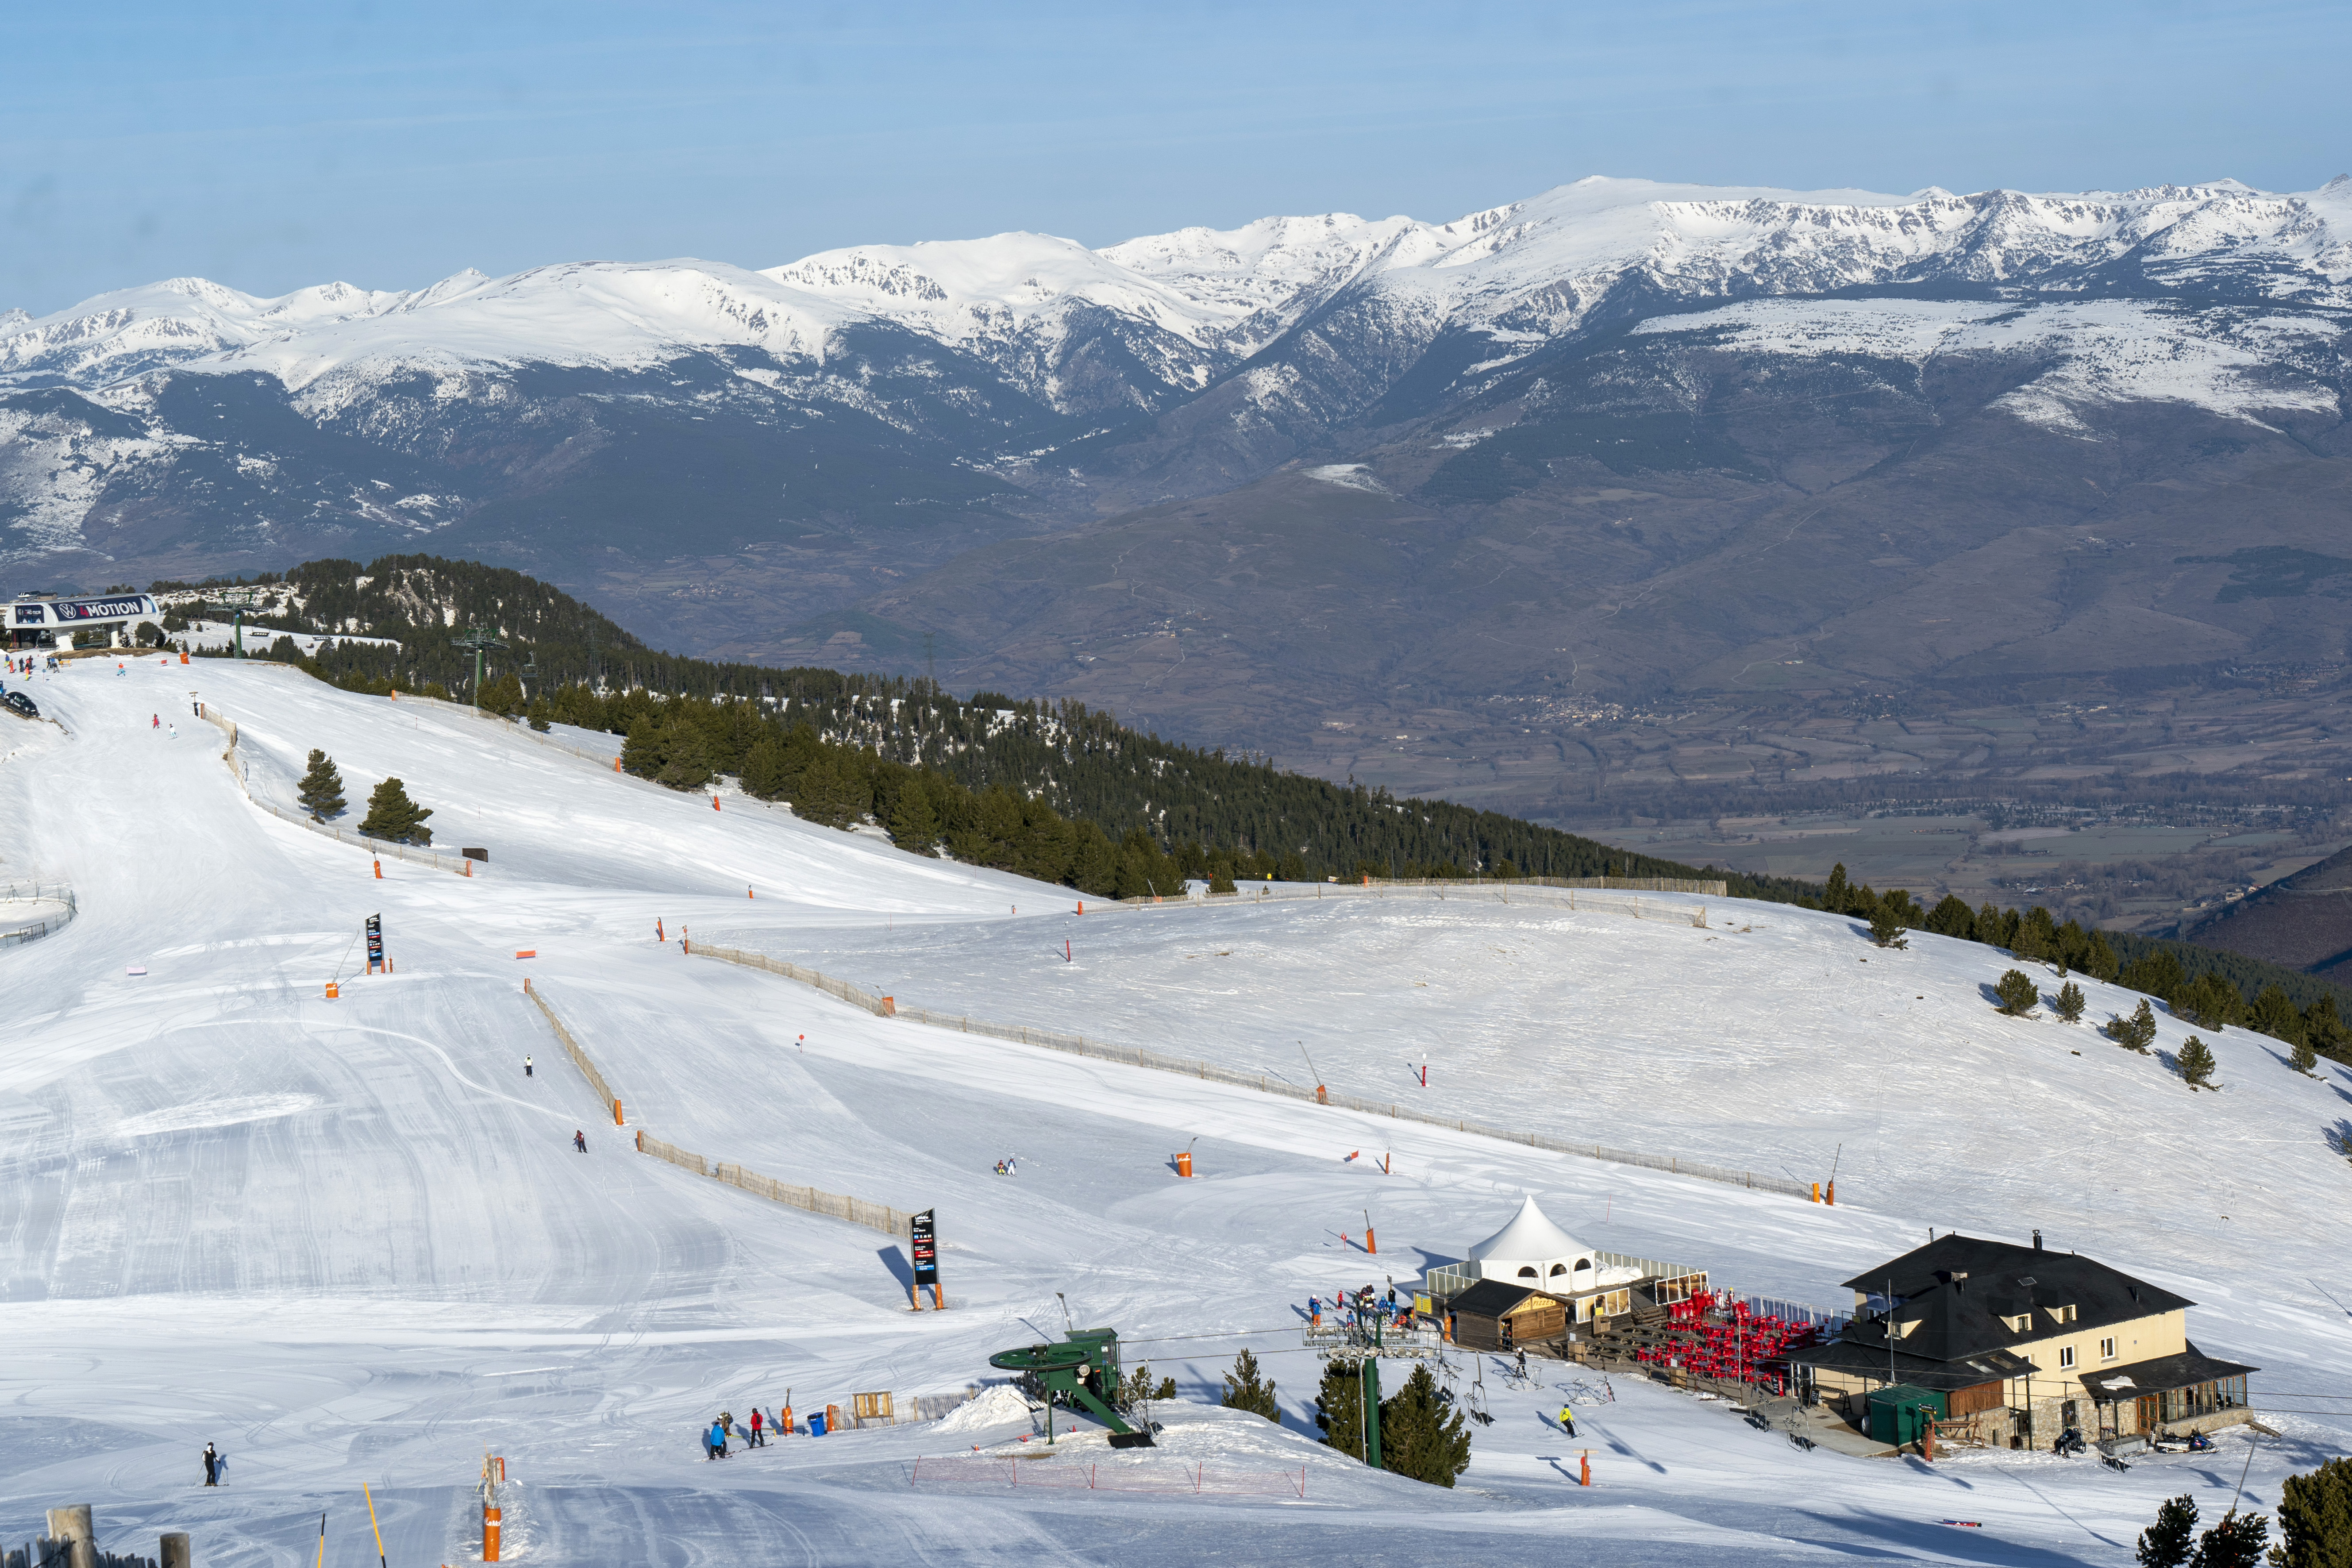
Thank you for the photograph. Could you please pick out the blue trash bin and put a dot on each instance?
(817, 1425)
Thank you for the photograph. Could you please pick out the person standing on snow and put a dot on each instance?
(212, 1466)
(1567, 1420)
(579, 1142)
(718, 1440)
(756, 1419)
(526, 1066)
(154, 720)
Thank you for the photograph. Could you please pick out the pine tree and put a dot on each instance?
(1887, 926)
(2304, 1058)
(393, 817)
(2136, 1033)
(642, 751)
(2322, 1027)
(2274, 1016)
(1835, 893)
(2100, 959)
(2209, 1001)
(2016, 992)
(2070, 1003)
(1420, 1436)
(1247, 1388)
(763, 769)
(321, 789)
(2237, 1541)
(1339, 1407)
(2315, 1518)
(543, 713)
(685, 759)
(914, 825)
(1952, 917)
(2196, 1063)
(2168, 1542)
(1138, 1386)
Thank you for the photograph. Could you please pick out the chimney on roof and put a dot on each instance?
(2037, 1241)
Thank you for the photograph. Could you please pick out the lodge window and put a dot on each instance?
(2018, 1325)
(2107, 1350)
(2065, 1355)
(2064, 1314)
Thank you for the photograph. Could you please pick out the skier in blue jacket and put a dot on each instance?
(716, 1439)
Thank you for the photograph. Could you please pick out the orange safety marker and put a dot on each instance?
(616, 1116)
(334, 991)
(379, 870)
(714, 803)
(750, 894)
(616, 764)
(526, 952)
(1585, 1465)
(468, 867)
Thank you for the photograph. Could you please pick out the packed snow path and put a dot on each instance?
(348, 1240)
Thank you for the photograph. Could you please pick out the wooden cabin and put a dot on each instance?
(1495, 1316)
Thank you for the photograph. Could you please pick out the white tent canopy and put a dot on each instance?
(1533, 1251)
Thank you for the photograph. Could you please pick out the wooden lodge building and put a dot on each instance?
(2015, 1344)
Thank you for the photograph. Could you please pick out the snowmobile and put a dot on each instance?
(2199, 1444)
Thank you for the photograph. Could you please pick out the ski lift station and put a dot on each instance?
(39, 620)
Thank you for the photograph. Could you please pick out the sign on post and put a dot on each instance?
(375, 944)
(922, 1241)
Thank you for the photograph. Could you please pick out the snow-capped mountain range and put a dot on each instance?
(941, 396)
(1202, 300)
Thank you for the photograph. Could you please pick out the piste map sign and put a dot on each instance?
(923, 1241)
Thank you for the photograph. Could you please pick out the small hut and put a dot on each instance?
(1494, 1316)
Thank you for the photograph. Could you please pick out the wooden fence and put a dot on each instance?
(1540, 895)
(872, 1001)
(457, 866)
(1080, 1045)
(813, 1200)
(579, 1057)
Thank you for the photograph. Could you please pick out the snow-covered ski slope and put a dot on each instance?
(350, 1241)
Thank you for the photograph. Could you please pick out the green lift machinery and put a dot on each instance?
(1084, 1368)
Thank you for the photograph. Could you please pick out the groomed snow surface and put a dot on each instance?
(348, 1240)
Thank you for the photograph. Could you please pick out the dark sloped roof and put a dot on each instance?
(1953, 1294)
(1844, 1355)
(2114, 1384)
(1491, 1299)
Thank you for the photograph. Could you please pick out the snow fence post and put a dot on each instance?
(71, 1525)
(174, 1551)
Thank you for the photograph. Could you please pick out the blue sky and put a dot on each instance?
(269, 147)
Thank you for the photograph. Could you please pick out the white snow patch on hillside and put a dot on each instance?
(2100, 351)
(1349, 476)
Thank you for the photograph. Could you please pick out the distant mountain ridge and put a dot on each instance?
(1314, 476)
(2302, 922)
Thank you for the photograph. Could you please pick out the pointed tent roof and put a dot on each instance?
(1529, 1236)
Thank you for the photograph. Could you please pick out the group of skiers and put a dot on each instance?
(1366, 1305)
(1007, 1167)
(755, 1435)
